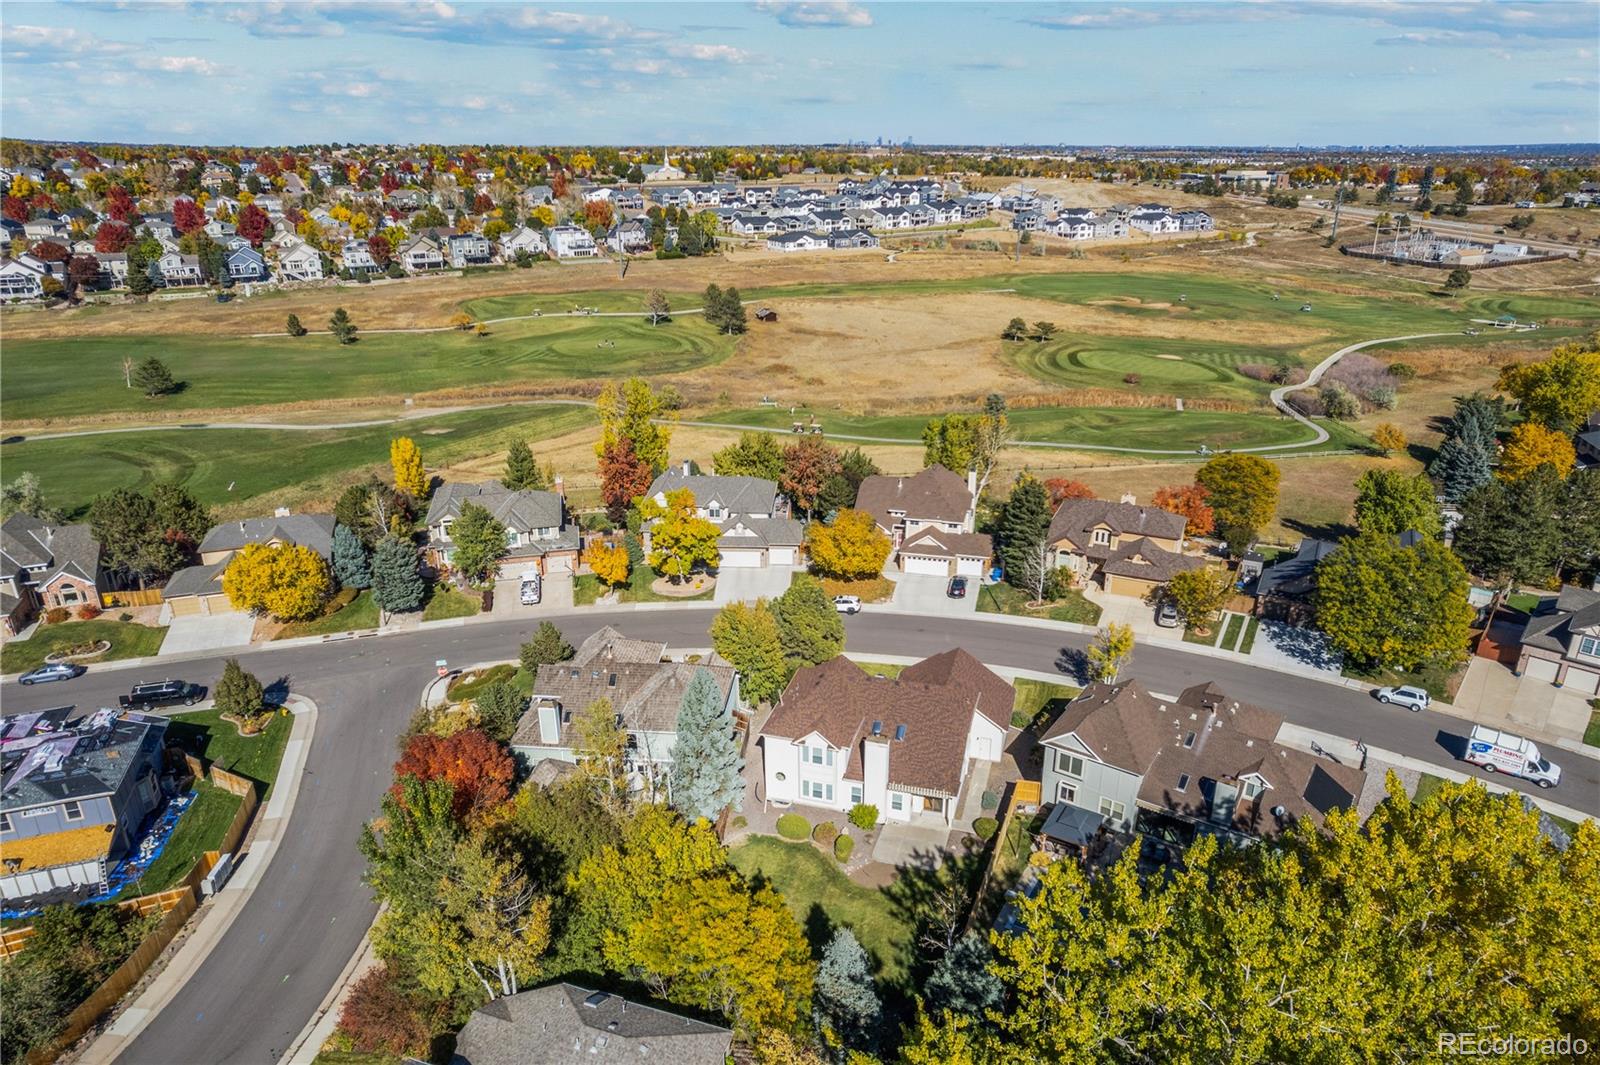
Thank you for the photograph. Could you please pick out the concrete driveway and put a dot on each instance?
(1493, 695)
(1131, 611)
(1304, 649)
(748, 585)
(926, 596)
(555, 595)
(207, 632)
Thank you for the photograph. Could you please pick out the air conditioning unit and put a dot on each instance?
(218, 877)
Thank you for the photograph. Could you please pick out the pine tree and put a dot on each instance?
(546, 647)
(153, 378)
(293, 327)
(342, 328)
(712, 307)
(350, 563)
(238, 693)
(808, 625)
(522, 473)
(500, 707)
(731, 318)
(705, 760)
(962, 982)
(1462, 465)
(844, 1000)
(1026, 520)
(397, 583)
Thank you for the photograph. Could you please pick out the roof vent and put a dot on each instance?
(1278, 811)
(899, 733)
(281, 512)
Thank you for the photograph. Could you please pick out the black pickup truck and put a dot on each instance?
(161, 693)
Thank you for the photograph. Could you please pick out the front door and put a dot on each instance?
(932, 805)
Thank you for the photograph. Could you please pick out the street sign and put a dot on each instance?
(443, 667)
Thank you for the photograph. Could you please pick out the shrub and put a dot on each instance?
(989, 801)
(842, 848)
(124, 616)
(1402, 371)
(1131, 379)
(864, 816)
(379, 1016)
(985, 827)
(825, 833)
(741, 822)
(793, 826)
(88, 612)
(1339, 402)
(56, 615)
(1259, 371)
(1384, 397)
(1307, 403)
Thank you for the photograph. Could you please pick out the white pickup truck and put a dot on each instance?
(1502, 752)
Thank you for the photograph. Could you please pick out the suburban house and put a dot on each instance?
(523, 238)
(840, 736)
(246, 264)
(567, 1024)
(420, 253)
(799, 241)
(1283, 589)
(929, 519)
(74, 796)
(299, 262)
(645, 693)
(1132, 549)
(21, 279)
(468, 249)
(756, 528)
(198, 589)
(44, 566)
(1200, 763)
(539, 538)
(572, 242)
(1587, 442)
(1562, 645)
(357, 255)
(175, 268)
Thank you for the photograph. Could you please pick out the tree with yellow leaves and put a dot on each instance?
(680, 539)
(1388, 437)
(852, 548)
(290, 582)
(1112, 647)
(406, 460)
(1531, 446)
(609, 562)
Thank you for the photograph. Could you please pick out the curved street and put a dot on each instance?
(255, 992)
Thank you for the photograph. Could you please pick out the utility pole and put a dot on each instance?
(1338, 199)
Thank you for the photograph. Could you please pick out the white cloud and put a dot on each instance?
(47, 44)
(1569, 84)
(805, 14)
(711, 53)
(179, 64)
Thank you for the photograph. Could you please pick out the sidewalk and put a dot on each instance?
(216, 914)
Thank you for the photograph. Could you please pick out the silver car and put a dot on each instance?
(54, 671)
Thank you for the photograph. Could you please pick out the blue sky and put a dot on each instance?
(1285, 72)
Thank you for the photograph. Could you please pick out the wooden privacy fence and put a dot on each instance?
(142, 597)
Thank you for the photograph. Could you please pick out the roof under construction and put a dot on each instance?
(44, 760)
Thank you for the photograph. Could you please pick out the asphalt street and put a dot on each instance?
(269, 973)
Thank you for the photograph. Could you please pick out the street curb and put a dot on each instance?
(227, 904)
(308, 1044)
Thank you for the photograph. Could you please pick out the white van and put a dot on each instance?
(1502, 752)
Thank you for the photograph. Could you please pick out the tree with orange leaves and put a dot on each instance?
(1062, 489)
(479, 769)
(1188, 500)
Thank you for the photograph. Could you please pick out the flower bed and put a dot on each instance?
(79, 652)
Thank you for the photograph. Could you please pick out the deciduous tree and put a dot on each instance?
(1110, 651)
(1389, 502)
(1016, 329)
(1388, 437)
(1386, 605)
(405, 459)
(746, 634)
(290, 582)
(480, 772)
(1188, 500)
(1561, 391)
(624, 477)
(851, 548)
(1242, 491)
(706, 767)
(809, 628)
(478, 543)
(1062, 489)
(807, 466)
(680, 539)
(1531, 446)
(657, 307)
(754, 455)
(631, 410)
(1199, 594)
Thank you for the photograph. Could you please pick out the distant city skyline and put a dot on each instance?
(803, 71)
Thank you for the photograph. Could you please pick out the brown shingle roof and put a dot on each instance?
(958, 668)
(935, 494)
(1146, 561)
(1120, 723)
(1074, 518)
(936, 543)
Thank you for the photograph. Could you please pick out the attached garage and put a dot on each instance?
(186, 606)
(1132, 586)
(1140, 567)
(1583, 681)
(1542, 669)
(924, 565)
(941, 554)
(781, 556)
(743, 558)
(755, 543)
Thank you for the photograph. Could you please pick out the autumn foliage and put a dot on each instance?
(624, 477)
(479, 769)
(609, 562)
(379, 1016)
(1190, 501)
(1062, 489)
(112, 237)
(187, 216)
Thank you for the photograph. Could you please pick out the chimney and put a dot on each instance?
(972, 480)
(1129, 498)
(281, 512)
(560, 486)
(549, 722)
(686, 467)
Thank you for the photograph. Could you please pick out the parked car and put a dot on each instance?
(54, 671)
(161, 693)
(957, 589)
(530, 590)
(847, 604)
(1167, 615)
(1407, 695)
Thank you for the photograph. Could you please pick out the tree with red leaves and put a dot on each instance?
(624, 477)
(558, 183)
(1062, 489)
(807, 466)
(479, 769)
(1190, 500)
(288, 163)
(597, 214)
(482, 203)
(253, 223)
(50, 252)
(380, 1016)
(267, 167)
(16, 209)
(83, 270)
(112, 237)
(187, 216)
(378, 245)
(388, 183)
(119, 205)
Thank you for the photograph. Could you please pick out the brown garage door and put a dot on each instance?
(1128, 586)
(184, 606)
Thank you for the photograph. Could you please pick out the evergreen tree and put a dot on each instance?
(350, 563)
(839, 491)
(522, 473)
(705, 761)
(962, 982)
(1579, 522)
(712, 307)
(1023, 526)
(844, 1000)
(808, 626)
(238, 692)
(342, 328)
(1508, 531)
(153, 378)
(731, 317)
(1467, 455)
(397, 583)
(500, 707)
(546, 647)
(293, 327)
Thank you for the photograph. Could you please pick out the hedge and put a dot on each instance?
(985, 827)
(864, 816)
(793, 826)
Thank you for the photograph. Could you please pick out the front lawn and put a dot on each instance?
(127, 639)
(809, 881)
(345, 613)
(1251, 628)
(1230, 635)
(587, 589)
(200, 829)
(447, 602)
(1038, 701)
(1527, 602)
(214, 741)
(1591, 735)
(1438, 681)
(1004, 599)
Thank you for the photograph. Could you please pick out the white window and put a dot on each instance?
(1066, 792)
(815, 789)
(1252, 788)
(1589, 646)
(897, 802)
(38, 811)
(5, 822)
(1112, 810)
(713, 512)
(1069, 765)
(1102, 537)
(817, 755)
(73, 811)
(855, 795)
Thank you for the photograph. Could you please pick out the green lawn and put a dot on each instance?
(127, 641)
(808, 879)
(466, 687)
(1190, 635)
(1251, 628)
(489, 307)
(218, 372)
(359, 613)
(228, 466)
(200, 829)
(217, 742)
(1038, 701)
(1591, 735)
(1168, 366)
(1230, 635)
(1527, 602)
(1004, 599)
(587, 589)
(1427, 786)
(445, 601)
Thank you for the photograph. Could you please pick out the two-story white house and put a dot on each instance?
(299, 262)
(572, 242)
(757, 530)
(523, 238)
(356, 256)
(929, 519)
(840, 737)
(419, 254)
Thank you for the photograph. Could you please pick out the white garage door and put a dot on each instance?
(780, 556)
(969, 567)
(1541, 669)
(1583, 681)
(931, 567)
(741, 559)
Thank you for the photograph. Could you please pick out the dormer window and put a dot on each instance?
(1253, 788)
(1101, 537)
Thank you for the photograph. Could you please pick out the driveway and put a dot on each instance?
(926, 596)
(208, 632)
(902, 845)
(555, 595)
(1302, 649)
(1493, 695)
(748, 585)
(1131, 611)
